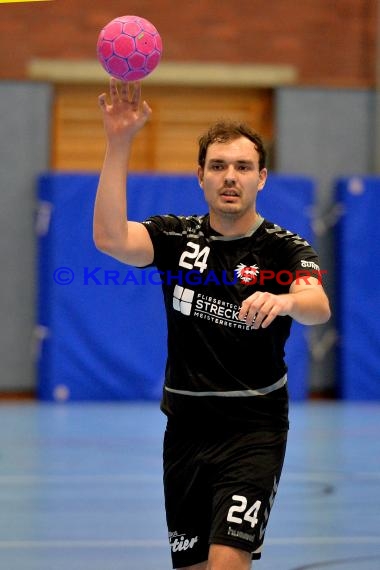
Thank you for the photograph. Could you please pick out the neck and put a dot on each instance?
(231, 226)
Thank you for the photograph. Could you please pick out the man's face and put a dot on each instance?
(231, 177)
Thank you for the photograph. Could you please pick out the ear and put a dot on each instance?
(263, 175)
(200, 176)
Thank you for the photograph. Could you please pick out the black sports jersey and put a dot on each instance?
(220, 371)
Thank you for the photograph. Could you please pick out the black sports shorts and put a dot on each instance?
(219, 489)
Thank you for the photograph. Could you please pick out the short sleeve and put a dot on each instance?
(300, 258)
(166, 233)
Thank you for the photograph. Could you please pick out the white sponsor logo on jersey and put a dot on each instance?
(179, 542)
(240, 534)
(183, 299)
(247, 273)
(309, 264)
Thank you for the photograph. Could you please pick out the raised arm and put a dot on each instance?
(123, 117)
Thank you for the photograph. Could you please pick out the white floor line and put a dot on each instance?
(78, 479)
(152, 543)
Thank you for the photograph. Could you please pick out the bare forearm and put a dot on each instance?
(110, 213)
(123, 118)
(308, 307)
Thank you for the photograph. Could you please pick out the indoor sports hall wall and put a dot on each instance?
(24, 152)
(102, 323)
(324, 125)
(357, 282)
(329, 43)
(321, 133)
(326, 134)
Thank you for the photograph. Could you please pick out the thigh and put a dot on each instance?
(244, 490)
(187, 500)
(221, 556)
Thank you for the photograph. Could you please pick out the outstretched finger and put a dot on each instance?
(271, 314)
(124, 91)
(147, 111)
(136, 95)
(113, 90)
(102, 100)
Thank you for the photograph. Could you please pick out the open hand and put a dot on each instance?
(126, 114)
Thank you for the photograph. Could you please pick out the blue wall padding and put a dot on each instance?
(358, 288)
(108, 342)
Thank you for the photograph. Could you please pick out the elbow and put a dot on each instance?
(99, 242)
(324, 314)
(102, 243)
(323, 311)
(108, 241)
(327, 314)
(318, 316)
(326, 310)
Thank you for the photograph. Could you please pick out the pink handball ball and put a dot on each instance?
(129, 48)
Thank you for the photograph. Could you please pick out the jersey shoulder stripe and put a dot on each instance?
(286, 235)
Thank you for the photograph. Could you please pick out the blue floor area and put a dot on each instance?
(80, 489)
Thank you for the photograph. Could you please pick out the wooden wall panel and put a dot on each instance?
(168, 142)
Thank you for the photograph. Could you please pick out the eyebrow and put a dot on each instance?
(221, 160)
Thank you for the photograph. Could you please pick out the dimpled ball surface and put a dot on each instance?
(129, 48)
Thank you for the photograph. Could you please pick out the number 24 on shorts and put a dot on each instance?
(250, 515)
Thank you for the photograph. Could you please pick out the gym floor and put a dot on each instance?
(80, 488)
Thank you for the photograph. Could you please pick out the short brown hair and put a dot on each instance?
(225, 131)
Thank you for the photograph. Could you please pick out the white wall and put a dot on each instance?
(24, 152)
